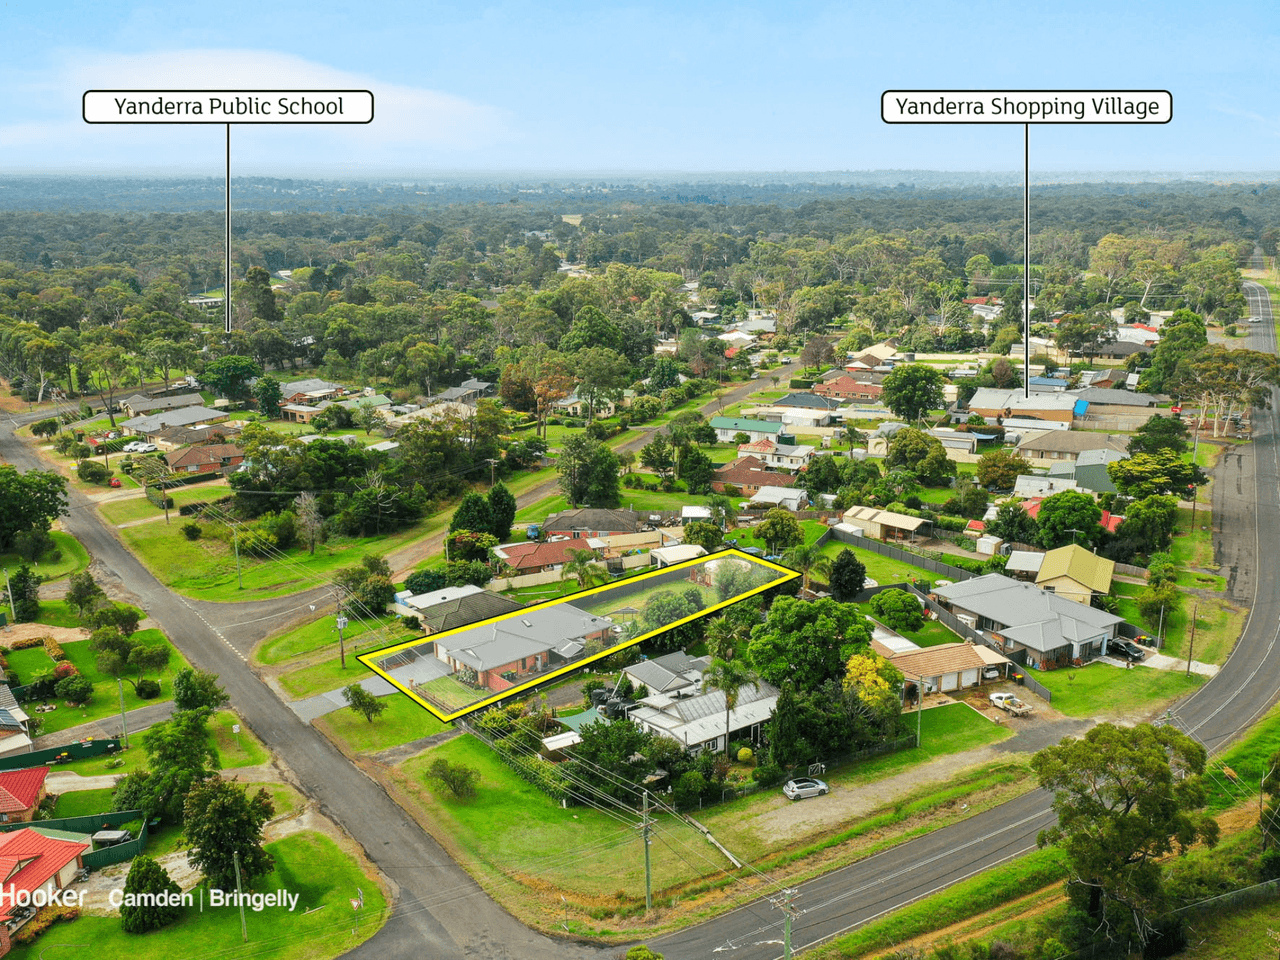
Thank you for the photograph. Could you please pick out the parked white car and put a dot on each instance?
(133, 446)
(804, 787)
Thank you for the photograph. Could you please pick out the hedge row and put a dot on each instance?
(56, 653)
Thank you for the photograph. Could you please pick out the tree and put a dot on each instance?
(424, 581)
(705, 535)
(922, 454)
(151, 899)
(611, 757)
(657, 455)
(1158, 602)
(604, 372)
(588, 473)
(179, 756)
(24, 593)
(807, 559)
(876, 682)
(848, 576)
(898, 609)
(697, 471)
(1148, 474)
(502, 510)
(74, 689)
(912, 390)
(1149, 524)
(1014, 524)
(1001, 468)
(219, 820)
(807, 642)
(362, 702)
(267, 395)
(458, 777)
(230, 376)
(473, 513)
(1069, 517)
(35, 498)
(83, 592)
(1125, 798)
(310, 520)
(780, 530)
(197, 690)
(729, 677)
(1160, 433)
(584, 567)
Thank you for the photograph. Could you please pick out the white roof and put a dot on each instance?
(679, 552)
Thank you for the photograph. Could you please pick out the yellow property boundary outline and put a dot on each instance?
(785, 574)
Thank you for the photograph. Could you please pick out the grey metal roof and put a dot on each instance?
(520, 635)
(182, 417)
(1122, 398)
(806, 400)
(310, 385)
(1025, 611)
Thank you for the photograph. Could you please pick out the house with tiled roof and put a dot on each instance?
(536, 557)
(845, 387)
(1069, 444)
(138, 405)
(310, 391)
(946, 666)
(788, 456)
(450, 607)
(211, 458)
(747, 475)
(1110, 521)
(31, 861)
(147, 426)
(592, 522)
(21, 792)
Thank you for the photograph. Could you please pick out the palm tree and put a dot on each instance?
(582, 566)
(808, 559)
(728, 676)
(722, 638)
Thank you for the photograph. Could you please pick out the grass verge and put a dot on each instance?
(403, 721)
(74, 559)
(1099, 689)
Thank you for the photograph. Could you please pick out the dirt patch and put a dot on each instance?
(25, 631)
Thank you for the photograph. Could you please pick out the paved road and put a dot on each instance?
(440, 912)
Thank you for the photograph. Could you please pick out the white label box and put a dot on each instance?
(1026, 106)
(227, 106)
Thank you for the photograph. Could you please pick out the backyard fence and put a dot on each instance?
(92, 823)
(905, 556)
(73, 751)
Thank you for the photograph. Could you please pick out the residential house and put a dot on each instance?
(1023, 620)
(1075, 573)
(1121, 350)
(1110, 521)
(669, 674)
(698, 722)
(789, 498)
(299, 412)
(137, 405)
(1023, 565)
(213, 458)
(20, 793)
(451, 607)
(1034, 486)
(151, 424)
(534, 557)
(786, 456)
(497, 654)
(801, 410)
(945, 667)
(729, 427)
(592, 522)
(748, 475)
(1089, 470)
(1068, 445)
(883, 524)
(1048, 384)
(31, 862)
(1116, 402)
(994, 402)
(13, 725)
(846, 387)
(677, 553)
(310, 391)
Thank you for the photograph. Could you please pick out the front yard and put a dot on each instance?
(1101, 691)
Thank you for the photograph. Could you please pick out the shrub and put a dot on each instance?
(26, 643)
(689, 788)
(74, 689)
(91, 471)
(147, 689)
(45, 918)
(745, 755)
(191, 530)
(768, 774)
(55, 652)
(65, 669)
(411, 623)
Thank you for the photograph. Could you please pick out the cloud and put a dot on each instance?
(410, 123)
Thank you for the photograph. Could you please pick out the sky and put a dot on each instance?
(564, 87)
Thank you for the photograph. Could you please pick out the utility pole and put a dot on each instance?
(1191, 647)
(235, 539)
(919, 706)
(492, 467)
(644, 835)
(244, 930)
(8, 588)
(342, 647)
(1160, 632)
(786, 903)
(124, 730)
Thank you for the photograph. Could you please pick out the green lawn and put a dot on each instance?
(83, 803)
(323, 925)
(402, 722)
(1194, 547)
(74, 559)
(1101, 689)
(326, 675)
(452, 693)
(106, 696)
(1218, 624)
(879, 568)
(206, 568)
(140, 508)
(58, 613)
(746, 537)
(235, 750)
(640, 500)
(512, 829)
(324, 633)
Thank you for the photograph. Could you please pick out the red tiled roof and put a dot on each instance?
(752, 470)
(19, 789)
(28, 859)
(976, 525)
(1109, 520)
(545, 554)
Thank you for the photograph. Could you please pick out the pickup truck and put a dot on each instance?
(1011, 704)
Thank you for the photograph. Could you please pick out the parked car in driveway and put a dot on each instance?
(804, 787)
(1126, 650)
